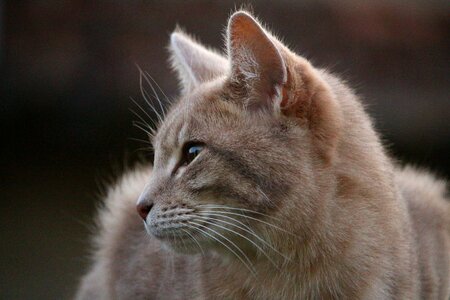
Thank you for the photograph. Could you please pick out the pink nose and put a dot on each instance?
(143, 209)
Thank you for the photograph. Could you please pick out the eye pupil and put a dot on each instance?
(192, 151)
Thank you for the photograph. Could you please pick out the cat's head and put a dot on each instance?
(242, 151)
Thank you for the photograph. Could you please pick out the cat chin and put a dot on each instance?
(180, 247)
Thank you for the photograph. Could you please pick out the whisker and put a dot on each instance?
(145, 95)
(251, 218)
(241, 235)
(249, 266)
(238, 208)
(161, 90)
(143, 149)
(230, 218)
(182, 240)
(142, 141)
(143, 129)
(265, 196)
(193, 238)
(194, 228)
(140, 107)
(141, 118)
(145, 74)
(148, 146)
(246, 229)
(145, 125)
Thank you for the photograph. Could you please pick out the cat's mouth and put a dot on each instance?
(192, 232)
(187, 236)
(181, 239)
(177, 239)
(173, 232)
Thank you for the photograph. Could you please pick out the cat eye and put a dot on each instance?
(190, 151)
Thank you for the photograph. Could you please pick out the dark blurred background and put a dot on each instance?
(68, 72)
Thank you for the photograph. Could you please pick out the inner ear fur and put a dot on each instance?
(193, 62)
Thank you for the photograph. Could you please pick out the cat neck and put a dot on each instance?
(311, 257)
(297, 266)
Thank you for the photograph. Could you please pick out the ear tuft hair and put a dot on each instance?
(193, 62)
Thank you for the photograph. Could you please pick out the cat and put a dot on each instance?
(269, 182)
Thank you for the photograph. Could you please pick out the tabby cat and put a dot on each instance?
(269, 182)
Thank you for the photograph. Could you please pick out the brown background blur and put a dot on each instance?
(68, 71)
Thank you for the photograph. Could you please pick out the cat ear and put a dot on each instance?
(193, 62)
(255, 60)
(268, 75)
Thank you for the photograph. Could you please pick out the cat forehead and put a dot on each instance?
(194, 112)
